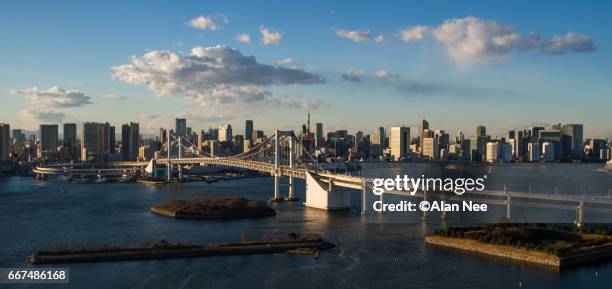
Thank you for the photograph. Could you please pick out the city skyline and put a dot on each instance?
(395, 68)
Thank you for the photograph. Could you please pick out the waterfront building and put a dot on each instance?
(534, 152)
(130, 141)
(548, 152)
(552, 136)
(180, 127)
(95, 141)
(5, 150)
(493, 152)
(506, 152)
(429, 148)
(48, 140)
(572, 141)
(70, 141)
(400, 140)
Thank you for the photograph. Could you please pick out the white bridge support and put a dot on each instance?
(321, 195)
(277, 174)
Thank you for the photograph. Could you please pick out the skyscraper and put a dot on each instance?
(70, 141)
(400, 141)
(572, 140)
(429, 148)
(95, 141)
(248, 130)
(181, 127)
(319, 141)
(5, 136)
(481, 130)
(130, 136)
(48, 138)
(225, 132)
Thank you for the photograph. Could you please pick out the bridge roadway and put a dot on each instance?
(129, 168)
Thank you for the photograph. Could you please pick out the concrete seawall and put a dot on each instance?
(520, 254)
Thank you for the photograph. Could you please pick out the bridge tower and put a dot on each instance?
(168, 166)
(277, 173)
(291, 196)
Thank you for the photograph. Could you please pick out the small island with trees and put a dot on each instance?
(214, 208)
(551, 245)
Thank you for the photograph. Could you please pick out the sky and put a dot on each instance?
(356, 64)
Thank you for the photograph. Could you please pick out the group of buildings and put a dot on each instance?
(97, 143)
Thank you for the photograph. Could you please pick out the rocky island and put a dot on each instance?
(214, 208)
(550, 245)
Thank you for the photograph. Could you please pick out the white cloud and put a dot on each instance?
(269, 37)
(353, 75)
(244, 38)
(208, 22)
(385, 74)
(570, 42)
(355, 35)
(211, 76)
(113, 97)
(414, 34)
(379, 38)
(287, 62)
(472, 39)
(41, 115)
(53, 97)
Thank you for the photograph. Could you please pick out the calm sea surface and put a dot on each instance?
(369, 254)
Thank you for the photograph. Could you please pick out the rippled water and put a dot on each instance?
(369, 255)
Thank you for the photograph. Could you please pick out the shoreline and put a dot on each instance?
(520, 254)
(245, 248)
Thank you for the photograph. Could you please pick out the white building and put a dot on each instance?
(225, 132)
(493, 152)
(399, 142)
(534, 152)
(430, 148)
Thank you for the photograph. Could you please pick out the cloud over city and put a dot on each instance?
(53, 97)
(470, 39)
(211, 76)
(359, 35)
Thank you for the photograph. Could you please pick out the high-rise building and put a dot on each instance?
(248, 130)
(481, 130)
(552, 136)
(48, 138)
(429, 148)
(18, 136)
(70, 141)
(400, 141)
(319, 140)
(534, 152)
(95, 141)
(225, 133)
(111, 139)
(422, 126)
(181, 127)
(572, 140)
(130, 138)
(5, 151)
(493, 152)
(358, 138)
(548, 152)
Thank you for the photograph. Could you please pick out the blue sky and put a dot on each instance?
(454, 83)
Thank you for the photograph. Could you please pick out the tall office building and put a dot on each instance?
(572, 140)
(400, 141)
(70, 141)
(534, 152)
(359, 138)
(48, 138)
(181, 127)
(378, 140)
(95, 141)
(429, 148)
(130, 137)
(111, 139)
(493, 152)
(225, 132)
(422, 126)
(18, 136)
(481, 130)
(319, 141)
(248, 130)
(5, 151)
